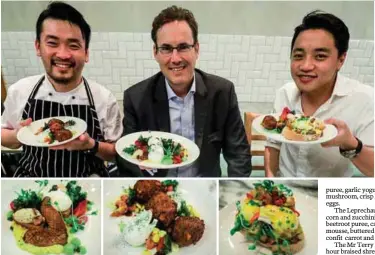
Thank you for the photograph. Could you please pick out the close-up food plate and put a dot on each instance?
(39, 134)
(122, 236)
(306, 207)
(48, 217)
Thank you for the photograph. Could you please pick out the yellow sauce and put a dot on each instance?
(19, 232)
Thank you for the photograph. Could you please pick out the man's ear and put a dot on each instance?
(342, 59)
(37, 47)
(154, 50)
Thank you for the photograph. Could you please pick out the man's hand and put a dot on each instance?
(344, 139)
(83, 142)
(9, 136)
(26, 122)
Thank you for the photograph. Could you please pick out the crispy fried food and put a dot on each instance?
(63, 134)
(54, 233)
(163, 208)
(145, 189)
(187, 230)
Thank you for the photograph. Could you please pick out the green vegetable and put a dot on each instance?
(76, 242)
(173, 183)
(10, 215)
(42, 183)
(75, 193)
(69, 249)
(82, 250)
(167, 245)
(130, 150)
(167, 160)
(131, 196)
(184, 210)
(73, 221)
(28, 199)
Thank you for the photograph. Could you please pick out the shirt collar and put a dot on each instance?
(51, 88)
(171, 93)
(342, 88)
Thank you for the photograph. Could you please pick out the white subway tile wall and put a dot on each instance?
(257, 65)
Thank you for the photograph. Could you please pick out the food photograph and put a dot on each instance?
(268, 217)
(45, 217)
(159, 217)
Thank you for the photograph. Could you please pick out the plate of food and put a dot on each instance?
(270, 219)
(289, 127)
(51, 217)
(52, 131)
(158, 150)
(152, 217)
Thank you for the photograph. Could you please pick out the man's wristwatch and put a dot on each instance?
(350, 154)
(94, 149)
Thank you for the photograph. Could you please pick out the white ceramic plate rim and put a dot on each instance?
(26, 134)
(329, 132)
(129, 139)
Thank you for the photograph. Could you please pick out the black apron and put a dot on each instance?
(42, 162)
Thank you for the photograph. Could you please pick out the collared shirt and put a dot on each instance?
(182, 121)
(105, 103)
(351, 102)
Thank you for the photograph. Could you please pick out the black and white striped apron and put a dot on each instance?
(42, 162)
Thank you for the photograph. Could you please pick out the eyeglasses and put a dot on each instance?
(181, 48)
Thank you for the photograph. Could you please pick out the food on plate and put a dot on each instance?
(163, 208)
(57, 130)
(269, 122)
(295, 127)
(157, 150)
(157, 216)
(187, 230)
(145, 189)
(268, 217)
(45, 220)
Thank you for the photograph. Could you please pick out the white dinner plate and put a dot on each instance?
(192, 148)
(90, 237)
(26, 135)
(306, 205)
(201, 194)
(329, 132)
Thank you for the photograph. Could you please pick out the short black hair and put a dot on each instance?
(321, 20)
(65, 12)
(173, 13)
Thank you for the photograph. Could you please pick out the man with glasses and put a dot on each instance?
(187, 101)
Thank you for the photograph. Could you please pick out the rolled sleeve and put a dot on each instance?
(274, 144)
(12, 112)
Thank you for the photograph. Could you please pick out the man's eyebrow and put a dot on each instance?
(298, 49)
(52, 37)
(323, 50)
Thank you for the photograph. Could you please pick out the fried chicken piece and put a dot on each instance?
(269, 122)
(63, 134)
(163, 208)
(54, 233)
(187, 230)
(145, 189)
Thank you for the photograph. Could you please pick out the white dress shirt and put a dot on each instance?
(351, 102)
(105, 103)
(182, 121)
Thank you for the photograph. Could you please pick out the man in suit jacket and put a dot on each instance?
(187, 101)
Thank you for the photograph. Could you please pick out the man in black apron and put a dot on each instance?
(62, 43)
